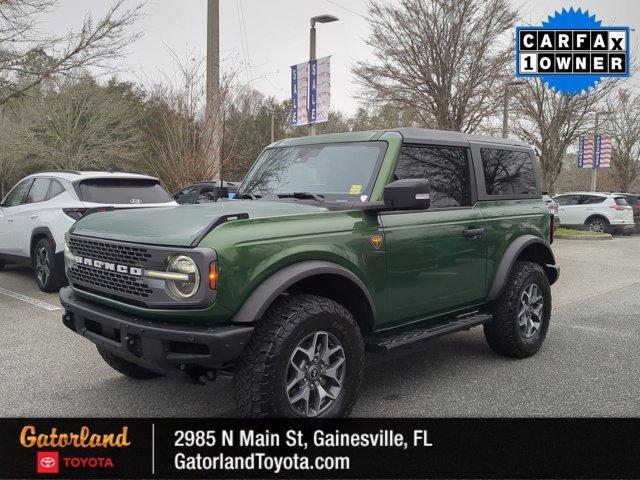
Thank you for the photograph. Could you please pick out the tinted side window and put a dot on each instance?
(447, 169)
(188, 195)
(621, 201)
(561, 200)
(18, 193)
(55, 189)
(508, 172)
(591, 199)
(38, 191)
(207, 195)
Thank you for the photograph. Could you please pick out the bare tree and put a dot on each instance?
(551, 122)
(78, 125)
(27, 57)
(444, 60)
(176, 124)
(624, 125)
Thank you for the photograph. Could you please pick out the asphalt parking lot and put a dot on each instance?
(588, 365)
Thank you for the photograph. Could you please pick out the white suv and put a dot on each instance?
(599, 212)
(38, 211)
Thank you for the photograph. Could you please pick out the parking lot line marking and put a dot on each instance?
(32, 301)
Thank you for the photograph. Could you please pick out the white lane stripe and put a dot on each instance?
(32, 301)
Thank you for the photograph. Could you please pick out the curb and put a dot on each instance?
(607, 236)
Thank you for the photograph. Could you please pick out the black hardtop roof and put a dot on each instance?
(423, 135)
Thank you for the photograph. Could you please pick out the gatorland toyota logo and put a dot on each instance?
(50, 462)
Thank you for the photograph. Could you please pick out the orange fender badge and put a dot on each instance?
(376, 241)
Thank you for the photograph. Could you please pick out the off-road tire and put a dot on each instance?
(502, 332)
(55, 278)
(260, 373)
(125, 367)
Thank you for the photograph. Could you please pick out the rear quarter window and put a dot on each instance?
(508, 172)
(121, 191)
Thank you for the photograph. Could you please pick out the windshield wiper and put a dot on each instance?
(248, 196)
(302, 196)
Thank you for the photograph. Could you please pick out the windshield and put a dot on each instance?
(122, 190)
(334, 170)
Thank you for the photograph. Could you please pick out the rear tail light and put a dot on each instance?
(75, 213)
(552, 230)
(618, 207)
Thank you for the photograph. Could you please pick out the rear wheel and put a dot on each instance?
(125, 367)
(521, 314)
(49, 275)
(598, 224)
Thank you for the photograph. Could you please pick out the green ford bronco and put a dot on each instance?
(335, 245)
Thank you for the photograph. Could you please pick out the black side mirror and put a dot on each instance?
(408, 194)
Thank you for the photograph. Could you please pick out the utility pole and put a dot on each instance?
(505, 106)
(213, 122)
(312, 48)
(594, 171)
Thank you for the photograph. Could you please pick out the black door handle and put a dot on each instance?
(473, 232)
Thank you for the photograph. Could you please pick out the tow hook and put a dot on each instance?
(132, 343)
(195, 373)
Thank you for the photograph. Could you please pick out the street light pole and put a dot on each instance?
(594, 171)
(505, 106)
(312, 47)
(312, 56)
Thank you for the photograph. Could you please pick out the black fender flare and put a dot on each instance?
(509, 258)
(263, 296)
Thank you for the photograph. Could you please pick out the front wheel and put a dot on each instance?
(305, 359)
(521, 314)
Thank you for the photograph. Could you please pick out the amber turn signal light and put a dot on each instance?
(213, 275)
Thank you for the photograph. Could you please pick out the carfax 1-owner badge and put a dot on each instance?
(572, 51)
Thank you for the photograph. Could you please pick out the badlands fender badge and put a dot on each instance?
(571, 52)
(376, 241)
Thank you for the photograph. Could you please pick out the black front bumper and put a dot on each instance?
(157, 346)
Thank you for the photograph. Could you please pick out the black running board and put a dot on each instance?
(406, 338)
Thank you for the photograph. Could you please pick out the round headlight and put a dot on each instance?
(183, 289)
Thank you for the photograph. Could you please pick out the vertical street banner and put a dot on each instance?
(585, 153)
(602, 151)
(323, 90)
(310, 92)
(300, 94)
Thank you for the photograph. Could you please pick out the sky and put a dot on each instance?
(270, 35)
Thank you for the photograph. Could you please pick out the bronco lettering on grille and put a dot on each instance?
(113, 267)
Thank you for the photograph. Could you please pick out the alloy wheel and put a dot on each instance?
(530, 310)
(43, 265)
(597, 226)
(315, 374)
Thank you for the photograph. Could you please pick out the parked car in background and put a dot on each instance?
(38, 211)
(633, 199)
(206, 192)
(553, 208)
(598, 212)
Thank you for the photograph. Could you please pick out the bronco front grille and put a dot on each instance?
(109, 252)
(116, 282)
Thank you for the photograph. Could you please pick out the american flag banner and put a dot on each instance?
(602, 151)
(585, 153)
